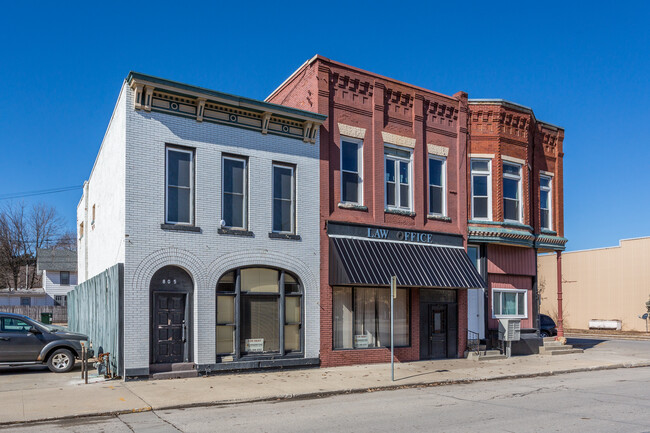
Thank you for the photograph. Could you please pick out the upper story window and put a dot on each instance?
(481, 189)
(437, 185)
(235, 186)
(474, 254)
(284, 199)
(545, 189)
(179, 182)
(397, 164)
(351, 175)
(512, 192)
(64, 278)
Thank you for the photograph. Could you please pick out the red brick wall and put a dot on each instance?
(378, 104)
(504, 130)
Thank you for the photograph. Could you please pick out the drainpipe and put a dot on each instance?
(560, 324)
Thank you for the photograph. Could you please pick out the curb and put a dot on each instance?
(318, 395)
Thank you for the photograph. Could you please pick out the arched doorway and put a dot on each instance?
(171, 292)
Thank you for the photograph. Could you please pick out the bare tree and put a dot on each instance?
(67, 241)
(12, 256)
(23, 231)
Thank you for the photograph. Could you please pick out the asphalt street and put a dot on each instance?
(599, 401)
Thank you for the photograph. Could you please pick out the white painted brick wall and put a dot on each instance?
(204, 255)
(106, 190)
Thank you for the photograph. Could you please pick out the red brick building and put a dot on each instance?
(515, 209)
(393, 202)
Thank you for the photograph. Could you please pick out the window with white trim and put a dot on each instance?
(545, 202)
(397, 163)
(234, 197)
(481, 189)
(509, 303)
(512, 209)
(437, 185)
(179, 185)
(351, 174)
(284, 199)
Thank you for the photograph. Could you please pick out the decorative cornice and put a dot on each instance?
(156, 94)
(515, 237)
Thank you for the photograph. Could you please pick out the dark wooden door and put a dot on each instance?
(438, 322)
(169, 332)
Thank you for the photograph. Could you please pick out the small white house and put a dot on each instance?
(59, 270)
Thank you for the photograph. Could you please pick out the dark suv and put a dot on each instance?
(547, 326)
(24, 341)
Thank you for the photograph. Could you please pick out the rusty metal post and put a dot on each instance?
(86, 367)
(83, 351)
(560, 321)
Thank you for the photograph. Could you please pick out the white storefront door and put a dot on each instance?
(476, 311)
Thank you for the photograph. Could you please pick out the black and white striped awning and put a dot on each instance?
(366, 262)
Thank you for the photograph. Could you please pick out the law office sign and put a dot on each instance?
(393, 234)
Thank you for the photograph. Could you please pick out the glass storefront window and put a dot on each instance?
(362, 318)
(249, 321)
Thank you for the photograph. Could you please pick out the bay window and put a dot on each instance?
(509, 303)
(351, 176)
(234, 197)
(179, 185)
(545, 202)
(437, 185)
(362, 317)
(397, 164)
(481, 180)
(512, 209)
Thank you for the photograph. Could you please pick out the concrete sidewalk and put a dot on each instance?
(30, 396)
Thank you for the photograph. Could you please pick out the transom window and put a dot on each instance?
(351, 176)
(545, 202)
(437, 185)
(398, 178)
(509, 303)
(511, 192)
(180, 186)
(481, 189)
(284, 199)
(235, 186)
(259, 312)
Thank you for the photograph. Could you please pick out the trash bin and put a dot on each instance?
(46, 318)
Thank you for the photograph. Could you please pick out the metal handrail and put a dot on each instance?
(473, 342)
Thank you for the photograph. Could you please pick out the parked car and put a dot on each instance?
(547, 327)
(25, 341)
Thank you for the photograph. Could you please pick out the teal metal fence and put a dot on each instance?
(95, 308)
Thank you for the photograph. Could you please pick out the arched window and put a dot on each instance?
(259, 313)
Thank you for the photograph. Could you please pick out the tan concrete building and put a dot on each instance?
(601, 284)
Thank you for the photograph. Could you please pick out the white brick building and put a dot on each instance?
(192, 188)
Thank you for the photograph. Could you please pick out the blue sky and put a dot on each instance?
(583, 66)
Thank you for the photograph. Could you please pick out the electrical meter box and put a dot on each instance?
(509, 329)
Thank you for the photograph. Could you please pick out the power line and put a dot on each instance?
(38, 192)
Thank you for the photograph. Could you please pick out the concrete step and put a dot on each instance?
(559, 350)
(491, 357)
(549, 339)
(175, 374)
(553, 344)
(485, 355)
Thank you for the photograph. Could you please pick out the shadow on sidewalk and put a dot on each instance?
(584, 343)
(421, 374)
